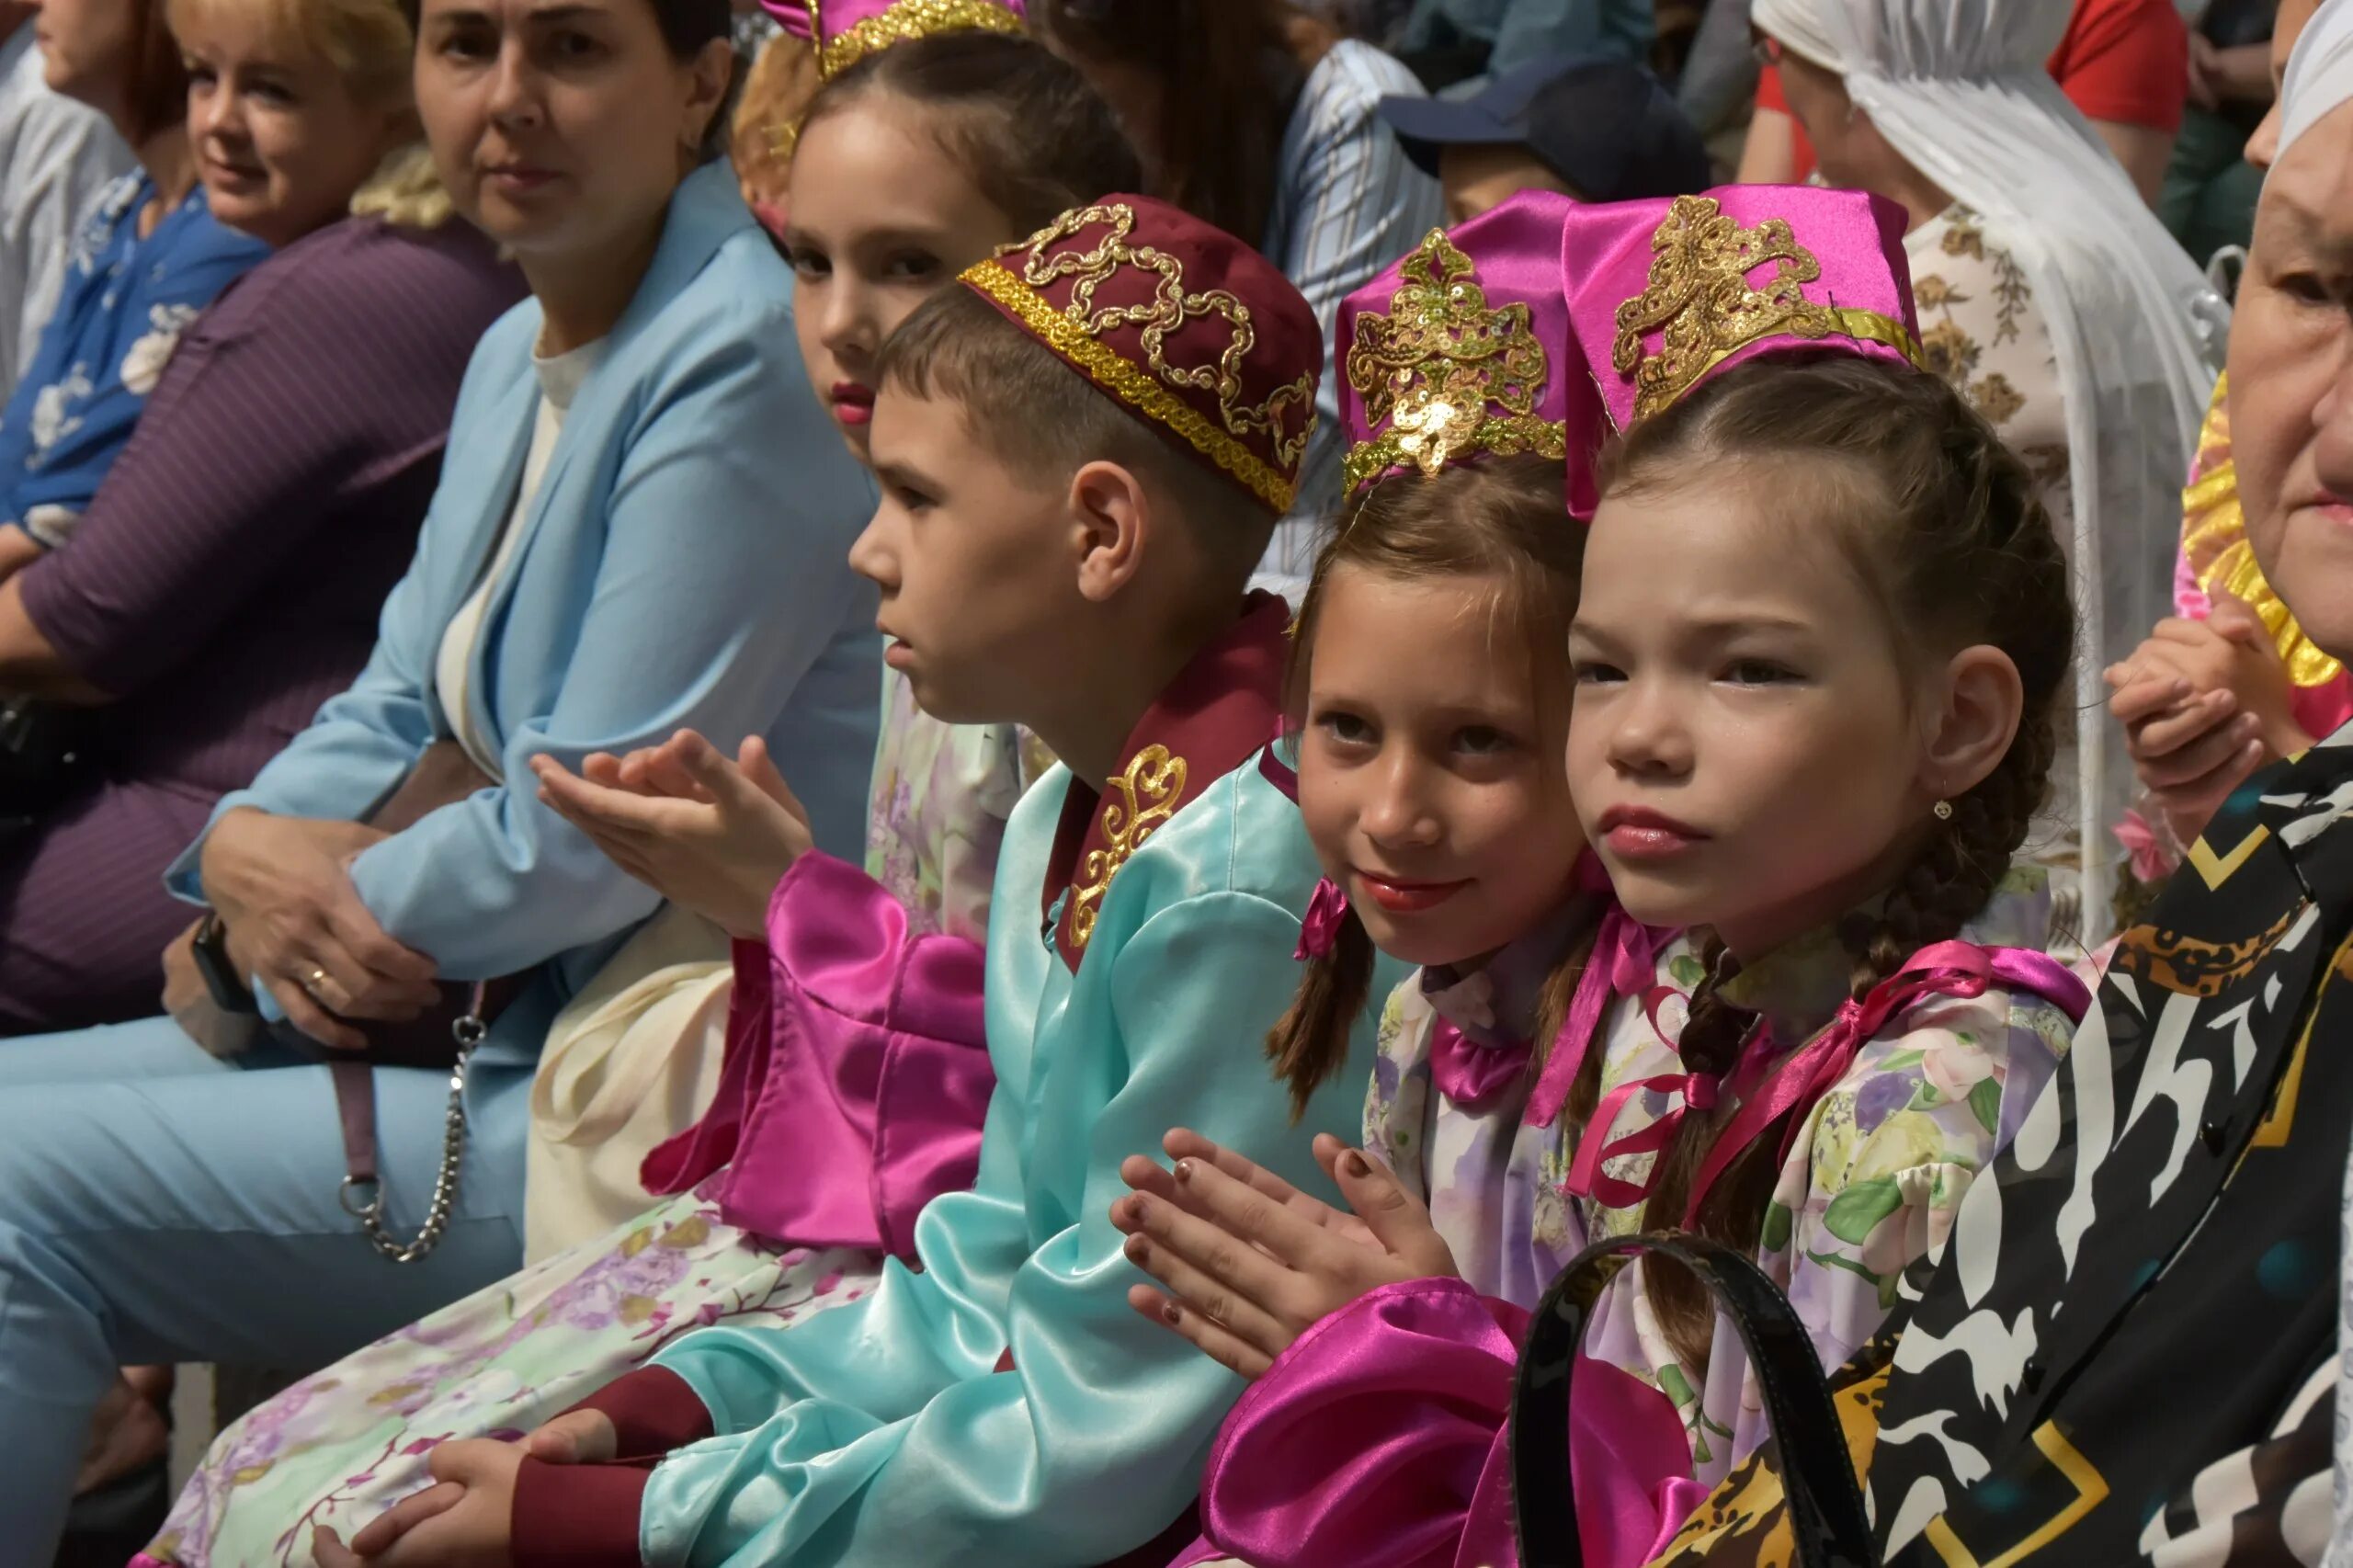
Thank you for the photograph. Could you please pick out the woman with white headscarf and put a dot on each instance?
(2048, 292)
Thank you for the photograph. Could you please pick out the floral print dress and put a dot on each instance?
(339, 1448)
(125, 301)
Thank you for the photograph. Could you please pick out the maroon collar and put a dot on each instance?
(1208, 722)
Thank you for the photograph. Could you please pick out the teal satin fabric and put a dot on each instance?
(878, 1434)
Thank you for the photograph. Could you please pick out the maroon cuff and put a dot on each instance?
(575, 1515)
(652, 1410)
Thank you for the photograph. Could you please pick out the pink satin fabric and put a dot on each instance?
(1320, 927)
(1953, 968)
(838, 16)
(1376, 1440)
(1606, 254)
(857, 1074)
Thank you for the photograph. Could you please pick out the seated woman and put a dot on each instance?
(225, 579)
(641, 524)
(912, 164)
(149, 261)
(2049, 294)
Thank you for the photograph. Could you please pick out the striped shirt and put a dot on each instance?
(1351, 203)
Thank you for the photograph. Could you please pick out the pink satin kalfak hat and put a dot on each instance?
(847, 31)
(1663, 293)
(1456, 351)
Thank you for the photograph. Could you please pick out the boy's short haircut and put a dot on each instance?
(1045, 421)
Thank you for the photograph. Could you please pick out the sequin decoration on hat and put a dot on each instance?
(1444, 353)
(1666, 293)
(847, 31)
(1184, 326)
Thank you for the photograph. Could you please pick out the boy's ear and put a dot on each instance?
(1111, 522)
(1984, 703)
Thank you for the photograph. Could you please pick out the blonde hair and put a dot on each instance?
(372, 43)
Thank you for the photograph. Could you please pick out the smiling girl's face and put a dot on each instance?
(1430, 774)
(879, 216)
(1747, 753)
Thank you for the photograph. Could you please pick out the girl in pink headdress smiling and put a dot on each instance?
(1821, 627)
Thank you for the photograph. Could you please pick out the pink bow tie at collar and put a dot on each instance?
(1624, 958)
(1960, 969)
(1319, 928)
(1469, 1074)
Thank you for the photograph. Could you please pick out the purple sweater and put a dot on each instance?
(226, 579)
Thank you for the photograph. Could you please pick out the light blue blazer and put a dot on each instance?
(683, 563)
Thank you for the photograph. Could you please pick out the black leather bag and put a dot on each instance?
(1825, 1503)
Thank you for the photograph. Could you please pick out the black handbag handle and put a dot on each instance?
(1826, 1505)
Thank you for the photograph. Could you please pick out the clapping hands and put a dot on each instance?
(710, 834)
(1248, 1263)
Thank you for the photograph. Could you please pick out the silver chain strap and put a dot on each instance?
(469, 1031)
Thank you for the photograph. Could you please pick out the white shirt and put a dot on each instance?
(560, 382)
(56, 156)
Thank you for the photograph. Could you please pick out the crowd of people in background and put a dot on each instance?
(1259, 783)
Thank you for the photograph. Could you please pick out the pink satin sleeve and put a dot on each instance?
(1378, 1439)
(857, 1074)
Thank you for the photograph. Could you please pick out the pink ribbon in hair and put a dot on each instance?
(1318, 929)
(1952, 969)
(1687, 1091)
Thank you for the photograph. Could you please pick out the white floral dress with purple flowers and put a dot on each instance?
(339, 1448)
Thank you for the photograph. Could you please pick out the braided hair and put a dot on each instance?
(1503, 518)
(1942, 523)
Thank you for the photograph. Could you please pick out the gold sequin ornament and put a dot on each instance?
(1452, 375)
(1700, 301)
(905, 21)
(1142, 797)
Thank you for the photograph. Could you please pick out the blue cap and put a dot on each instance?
(1605, 127)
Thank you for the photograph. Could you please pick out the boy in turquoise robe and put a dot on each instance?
(1083, 453)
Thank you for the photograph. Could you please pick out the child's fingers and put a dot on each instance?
(1146, 1175)
(328, 1549)
(579, 1436)
(1395, 1217)
(1216, 1342)
(405, 1516)
(1260, 1218)
(758, 767)
(2142, 698)
(1218, 1272)
(1183, 1144)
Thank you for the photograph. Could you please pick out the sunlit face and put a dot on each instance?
(973, 561)
(1745, 752)
(562, 127)
(1476, 180)
(880, 216)
(1852, 154)
(2292, 381)
(86, 49)
(281, 140)
(1429, 769)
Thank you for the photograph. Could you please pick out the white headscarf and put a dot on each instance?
(2320, 72)
(1959, 89)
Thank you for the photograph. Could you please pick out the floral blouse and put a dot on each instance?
(125, 301)
(936, 814)
(1873, 1175)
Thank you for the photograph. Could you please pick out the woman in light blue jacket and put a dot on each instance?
(643, 524)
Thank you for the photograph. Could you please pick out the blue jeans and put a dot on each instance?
(158, 1205)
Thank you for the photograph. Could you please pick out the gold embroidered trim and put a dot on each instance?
(903, 20)
(1072, 340)
(1702, 304)
(1452, 376)
(1142, 798)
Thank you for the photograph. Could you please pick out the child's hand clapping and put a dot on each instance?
(1249, 1262)
(709, 834)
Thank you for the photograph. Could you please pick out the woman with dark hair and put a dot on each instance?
(641, 524)
(1263, 121)
(150, 259)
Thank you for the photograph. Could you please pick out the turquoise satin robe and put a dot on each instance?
(879, 1433)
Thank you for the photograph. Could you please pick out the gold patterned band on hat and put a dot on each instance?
(1074, 331)
(1700, 302)
(1453, 377)
(905, 21)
